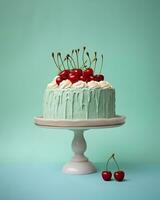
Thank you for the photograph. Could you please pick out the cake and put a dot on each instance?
(77, 92)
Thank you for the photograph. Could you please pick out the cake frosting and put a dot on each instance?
(78, 93)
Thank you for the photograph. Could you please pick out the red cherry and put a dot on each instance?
(82, 78)
(58, 80)
(99, 77)
(106, 175)
(91, 78)
(119, 175)
(64, 74)
(88, 72)
(73, 78)
(77, 72)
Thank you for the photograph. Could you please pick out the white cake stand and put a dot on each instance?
(79, 164)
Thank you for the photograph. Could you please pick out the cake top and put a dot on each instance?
(74, 72)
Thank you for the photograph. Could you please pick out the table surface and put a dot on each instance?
(47, 182)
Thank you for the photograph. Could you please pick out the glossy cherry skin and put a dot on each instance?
(64, 74)
(73, 78)
(82, 78)
(119, 175)
(99, 77)
(77, 72)
(106, 175)
(91, 78)
(58, 80)
(88, 72)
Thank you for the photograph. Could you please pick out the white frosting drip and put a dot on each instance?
(104, 84)
(79, 84)
(65, 84)
(93, 84)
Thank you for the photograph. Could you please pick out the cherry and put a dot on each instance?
(91, 78)
(58, 80)
(99, 77)
(73, 78)
(106, 175)
(64, 74)
(82, 78)
(119, 175)
(77, 72)
(88, 72)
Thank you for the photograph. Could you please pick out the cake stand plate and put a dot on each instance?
(79, 164)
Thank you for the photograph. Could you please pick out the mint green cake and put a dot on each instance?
(81, 103)
(77, 92)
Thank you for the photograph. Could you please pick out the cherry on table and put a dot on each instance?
(106, 175)
(119, 175)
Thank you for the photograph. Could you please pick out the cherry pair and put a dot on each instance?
(118, 175)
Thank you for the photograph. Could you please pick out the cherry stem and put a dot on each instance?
(53, 56)
(77, 52)
(113, 156)
(72, 52)
(67, 62)
(58, 61)
(61, 60)
(108, 161)
(101, 64)
(83, 66)
(70, 57)
(95, 60)
(89, 58)
(84, 48)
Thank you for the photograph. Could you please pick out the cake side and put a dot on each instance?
(81, 103)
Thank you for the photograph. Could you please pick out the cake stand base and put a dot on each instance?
(85, 167)
(79, 164)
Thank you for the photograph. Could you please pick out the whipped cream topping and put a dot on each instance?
(93, 84)
(104, 84)
(79, 84)
(53, 85)
(65, 84)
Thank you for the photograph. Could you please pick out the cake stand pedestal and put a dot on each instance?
(79, 164)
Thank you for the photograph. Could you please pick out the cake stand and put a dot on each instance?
(80, 164)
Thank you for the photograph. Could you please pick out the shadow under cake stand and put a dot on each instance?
(80, 164)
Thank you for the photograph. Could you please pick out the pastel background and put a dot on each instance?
(125, 31)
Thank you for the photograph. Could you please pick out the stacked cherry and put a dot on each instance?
(107, 174)
(75, 75)
(71, 69)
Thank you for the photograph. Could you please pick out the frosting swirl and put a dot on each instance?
(65, 84)
(104, 85)
(52, 85)
(79, 84)
(93, 84)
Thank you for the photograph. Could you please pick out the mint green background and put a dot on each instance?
(125, 31)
